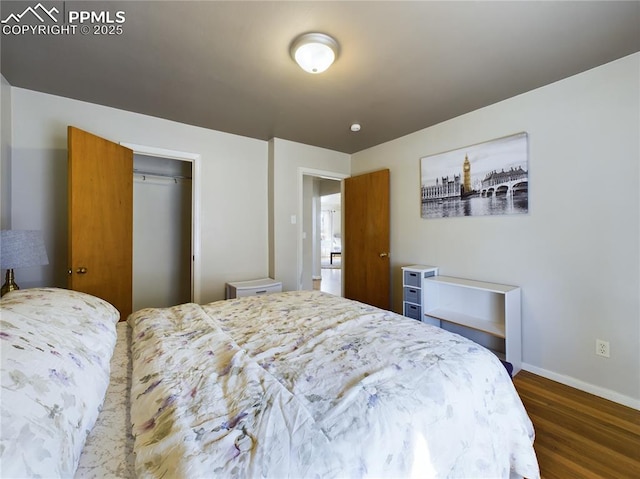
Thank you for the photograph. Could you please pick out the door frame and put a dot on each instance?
(194, 159)
(302, 172)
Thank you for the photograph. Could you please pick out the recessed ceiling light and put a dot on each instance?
(355, 127)
(314, 52)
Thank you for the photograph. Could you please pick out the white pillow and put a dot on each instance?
(55, 346)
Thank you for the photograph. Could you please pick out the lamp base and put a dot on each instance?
(9, 283)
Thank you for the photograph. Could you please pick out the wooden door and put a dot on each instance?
(366, 269)
(100, 193)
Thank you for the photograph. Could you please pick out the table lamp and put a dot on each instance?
(20, 249)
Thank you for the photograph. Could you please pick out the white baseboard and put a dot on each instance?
(583, 386)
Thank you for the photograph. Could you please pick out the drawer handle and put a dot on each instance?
(261, 292)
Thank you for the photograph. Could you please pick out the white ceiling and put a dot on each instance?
(403, 66)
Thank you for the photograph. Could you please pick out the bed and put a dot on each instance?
(301, 384)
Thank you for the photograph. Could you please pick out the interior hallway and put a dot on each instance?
(331, 276)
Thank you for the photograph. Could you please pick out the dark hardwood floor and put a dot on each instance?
(579, 435)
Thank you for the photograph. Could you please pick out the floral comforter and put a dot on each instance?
(305, 384)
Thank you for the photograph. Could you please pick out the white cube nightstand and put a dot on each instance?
(239, 289)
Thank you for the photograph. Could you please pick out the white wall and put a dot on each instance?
(5, 154)
(576, 254)
(233, 177)
(287, 161)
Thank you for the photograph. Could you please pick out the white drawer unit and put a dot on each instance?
(254, 287)
(413, 278)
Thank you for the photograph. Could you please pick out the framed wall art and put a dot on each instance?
(490, 178)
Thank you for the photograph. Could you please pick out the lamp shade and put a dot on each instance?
(314, 52)
(21, 249)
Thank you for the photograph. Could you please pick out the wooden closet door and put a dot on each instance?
(100, 192)
(366, 267)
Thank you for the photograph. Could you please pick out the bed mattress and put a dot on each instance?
(108, 452)
(305, 384)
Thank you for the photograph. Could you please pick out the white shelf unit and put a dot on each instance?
(412, 289)
(487, 313)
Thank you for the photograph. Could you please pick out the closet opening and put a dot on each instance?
(162, 232)
(166, 227)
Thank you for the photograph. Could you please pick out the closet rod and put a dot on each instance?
(161, 175)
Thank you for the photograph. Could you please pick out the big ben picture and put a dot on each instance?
(489, 178)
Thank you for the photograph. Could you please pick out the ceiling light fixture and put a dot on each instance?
(355, 127)
(314, 52)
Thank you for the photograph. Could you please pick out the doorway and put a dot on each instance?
(101, 217)
(314, 248)
(166, 231)
(365, 236)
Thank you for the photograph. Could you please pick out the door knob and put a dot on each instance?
(81, 270)
(384, 255)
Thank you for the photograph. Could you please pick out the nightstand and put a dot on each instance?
(256, 287)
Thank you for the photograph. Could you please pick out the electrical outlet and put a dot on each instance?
(602, 348)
